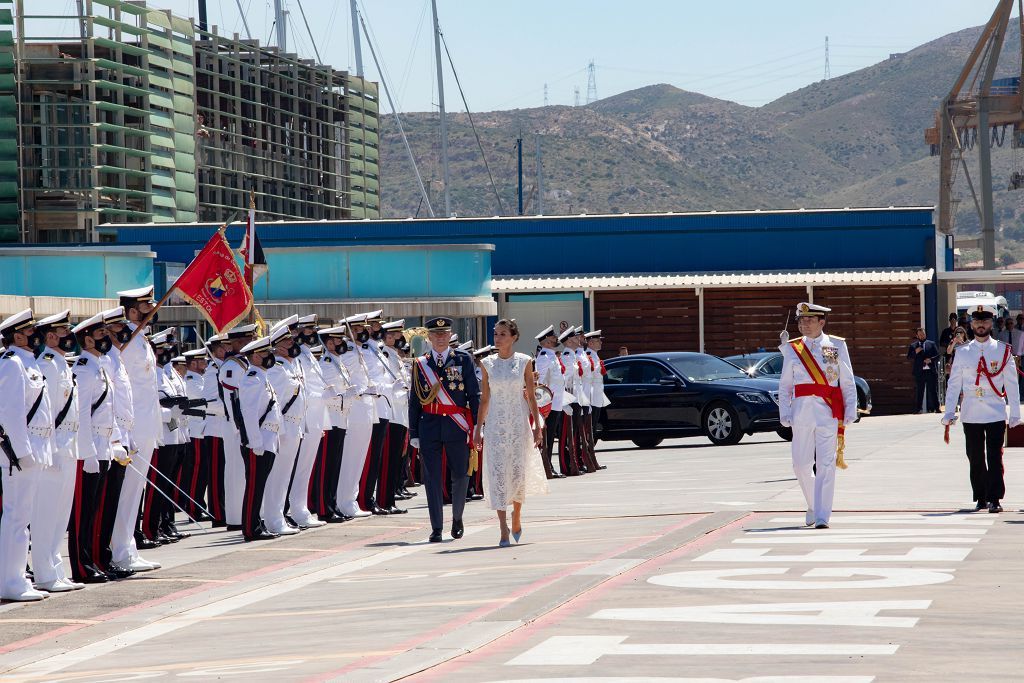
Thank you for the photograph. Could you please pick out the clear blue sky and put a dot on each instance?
(748, 52)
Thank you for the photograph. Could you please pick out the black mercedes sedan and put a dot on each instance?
(658, 396)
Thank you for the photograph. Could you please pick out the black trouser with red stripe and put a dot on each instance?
(213, 455)
(567, 444)
(371, 470)
(192, 476)
(552, 426)
(323, 485)
(106, 513)
(392, 468)
(579, 437)
(589, 456)
(157, 510)
(81, 531)
(257, 469)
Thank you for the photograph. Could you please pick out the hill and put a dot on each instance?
(854, 140)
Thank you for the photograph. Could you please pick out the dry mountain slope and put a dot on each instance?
(855, 140)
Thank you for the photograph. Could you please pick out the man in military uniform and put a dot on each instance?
(985, 372)
(382, 385)
(328, 492)
(361, 417)
(99, 442)
(587, 369)
(57, 484)
(818, 399)
(193, 477)
(139, 362)
(398, 428)
(215, 427)
(232, 370)
(549, 375)
(300, 488)
(288, 383)
(118, 333)
(27, 421)
(441, 418)
(572, 428)
(259, 430)
(598, 400)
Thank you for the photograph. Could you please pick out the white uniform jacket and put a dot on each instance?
(597, 397)
(549, 372)
(399, 389)
(587, 377)
(359, 378)
(232, 372)
(316, 410)
(98, 429)
(121, 387)
(217, 421)
(573, 385)
(174, 428)
(338, 391)
(286, 379)
(833, 359)
(140, 363)
(261, 411)
(60, 385)
(21, 385)
(380, 378)
(986, 393)
(194, 390)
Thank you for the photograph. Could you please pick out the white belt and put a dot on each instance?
(68, 427)
(272, 427)
(45, 432)
(295, 419)
(104, 432)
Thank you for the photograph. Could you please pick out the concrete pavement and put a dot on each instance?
(686, 562)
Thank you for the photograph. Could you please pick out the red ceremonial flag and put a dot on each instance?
(213, 284)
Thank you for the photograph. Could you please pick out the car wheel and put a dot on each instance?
(647, 443)
(785, 432)
(722, 424)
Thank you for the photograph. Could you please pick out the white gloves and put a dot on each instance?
(120, 455)
(785, 423)
(91, 465)
(1016, 423)
(415, 443)
(258, 452)
(350, 392)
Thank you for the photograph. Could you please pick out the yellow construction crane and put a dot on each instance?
(972, 109)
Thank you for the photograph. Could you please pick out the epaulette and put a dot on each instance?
(9, 354)
(836, 336)
(82, 361)
(47, 356)
(251, 373)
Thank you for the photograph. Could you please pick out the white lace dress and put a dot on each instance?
(512, 464)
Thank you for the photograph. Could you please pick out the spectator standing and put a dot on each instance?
(924, 355)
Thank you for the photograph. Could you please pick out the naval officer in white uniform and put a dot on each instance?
(983, 369)
(817, 398)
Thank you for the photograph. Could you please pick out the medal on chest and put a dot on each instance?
(979, 392)
(993, 366)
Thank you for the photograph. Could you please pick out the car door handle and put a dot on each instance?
(642, 390)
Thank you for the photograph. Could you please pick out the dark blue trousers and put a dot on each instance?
(439, 433)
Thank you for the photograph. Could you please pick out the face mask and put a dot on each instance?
(307, 339)
(294, 351)
(35, 340)
(268, 362)
(363, 336)
(67, 343)
(377, 335)
(229, 352)
(123, 335)
(164, 358)
(154, 319)
(102, 345)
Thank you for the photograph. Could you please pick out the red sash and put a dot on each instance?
(444, 404)
(833, 396)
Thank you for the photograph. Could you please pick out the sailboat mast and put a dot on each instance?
(446, 176)
(355, 39)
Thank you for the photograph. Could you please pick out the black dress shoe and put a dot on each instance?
(334, 518)
(435, 536)
(262, 535)
(91, 577)
(146, 544)
(411, 494)
(981, 505)
(457, 529)
(401, 496)
(116, 571)
(396, 510)
(218, 525)
(377, 510)
(477, 496)
(166, 540)
(602, 467)
(994, 506)
(233, 527)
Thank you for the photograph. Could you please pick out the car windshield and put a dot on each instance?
(703, 368)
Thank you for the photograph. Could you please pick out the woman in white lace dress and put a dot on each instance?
(512, 468)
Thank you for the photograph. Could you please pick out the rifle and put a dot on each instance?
(8, 448)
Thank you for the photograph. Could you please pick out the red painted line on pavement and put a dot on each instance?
(422, 638)
(559, 614)
(187, 592)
